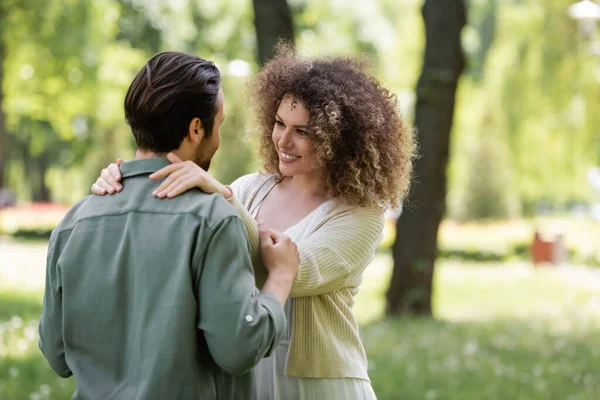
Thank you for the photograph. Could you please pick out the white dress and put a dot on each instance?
(273, 384)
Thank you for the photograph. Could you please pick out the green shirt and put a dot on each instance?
(152, 298)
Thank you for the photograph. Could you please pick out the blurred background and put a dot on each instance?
(488, 284)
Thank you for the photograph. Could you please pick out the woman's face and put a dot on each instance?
(297, 155)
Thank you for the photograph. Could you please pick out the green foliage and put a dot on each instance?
(537, 91)
(489, 181)
(527, 117)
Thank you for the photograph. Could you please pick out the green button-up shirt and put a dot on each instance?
(153, 299)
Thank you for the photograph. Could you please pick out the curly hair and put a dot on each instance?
(354, 124)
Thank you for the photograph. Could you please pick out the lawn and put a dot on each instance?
(501, 332)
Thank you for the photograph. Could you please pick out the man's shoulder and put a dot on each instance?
(213, 208)
(74, 214)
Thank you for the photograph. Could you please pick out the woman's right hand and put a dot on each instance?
(108, 181)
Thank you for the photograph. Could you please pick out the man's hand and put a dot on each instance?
(281, 259)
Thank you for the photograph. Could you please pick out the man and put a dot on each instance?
(153, 299)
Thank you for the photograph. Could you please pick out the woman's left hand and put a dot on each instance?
(183, 176)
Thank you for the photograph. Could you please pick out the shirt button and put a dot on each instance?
(249, 318)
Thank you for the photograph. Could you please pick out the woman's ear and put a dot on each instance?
(196, 131)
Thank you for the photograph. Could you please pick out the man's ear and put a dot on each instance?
(196, 131)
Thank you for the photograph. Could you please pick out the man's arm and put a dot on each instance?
(240, 329)
(51, 335)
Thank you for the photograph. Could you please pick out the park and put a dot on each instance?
(486, 284)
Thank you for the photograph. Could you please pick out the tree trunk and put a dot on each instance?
(273, 21)
(415, 248)
(3, 132)
(39, 190)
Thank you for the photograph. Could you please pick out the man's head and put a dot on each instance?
(175, 103)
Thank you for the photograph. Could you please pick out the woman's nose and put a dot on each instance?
(285, 139)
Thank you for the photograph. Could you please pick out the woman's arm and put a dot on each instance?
(238, 189)
(340, 248)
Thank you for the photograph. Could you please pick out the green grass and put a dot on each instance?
(501, 332)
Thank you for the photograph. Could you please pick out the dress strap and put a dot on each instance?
(264, 190)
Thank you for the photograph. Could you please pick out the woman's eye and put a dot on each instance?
(279, 123)
(301, 132)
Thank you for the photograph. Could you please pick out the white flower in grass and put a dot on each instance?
(45, 390)
(16, 322)
(431, 395)
(22, 345)
(537, 371)
(35, 396)
(13, 372)
(470, 348)
(31, 333)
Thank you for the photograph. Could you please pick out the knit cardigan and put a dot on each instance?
(336, 243)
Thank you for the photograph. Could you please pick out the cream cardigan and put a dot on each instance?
(336, 243)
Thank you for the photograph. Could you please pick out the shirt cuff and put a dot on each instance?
(275, 310)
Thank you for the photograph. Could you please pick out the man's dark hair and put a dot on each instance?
(171, 90)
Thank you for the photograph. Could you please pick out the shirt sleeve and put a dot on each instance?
(240, 329)
(51, 341)
(343, 246)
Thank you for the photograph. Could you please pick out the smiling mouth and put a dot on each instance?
(288, 157)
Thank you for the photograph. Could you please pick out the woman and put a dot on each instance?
(337, 155)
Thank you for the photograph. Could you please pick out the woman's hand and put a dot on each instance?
(109, 179)
(182, 176)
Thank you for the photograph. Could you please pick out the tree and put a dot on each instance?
(273, 21)
(415, 249)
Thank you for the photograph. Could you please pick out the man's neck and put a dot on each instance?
(141, 154)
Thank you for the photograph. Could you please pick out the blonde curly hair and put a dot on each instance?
(365, 147)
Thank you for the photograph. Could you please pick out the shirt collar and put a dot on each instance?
(145, 166)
